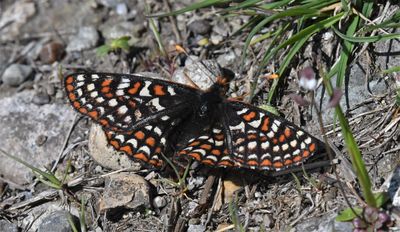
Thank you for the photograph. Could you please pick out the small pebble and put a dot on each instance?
(52, 52)
(50, 89)
(201, 27)
(159, 202)
(86, 38)
(58, 221)
(121, 9)
(40, 140)
(16, 74)
(41, 98)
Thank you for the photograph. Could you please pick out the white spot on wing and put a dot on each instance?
(90, 87)
(171, 91)
(255, 123)
(293, 143)
(201, 151)
(287, 156)
(123, 85)
(79, 84)
(163, 140)
(211, 157)
(274, 127)
(80, 77)
(265, 145)
(95, 77)
(145, 149)
(252, 157)
(94, 94)
(219, 143)
(113, 102)
(133, 142)
(302, 145)
(164, 118)
(240, 126)
(123, 109)
(308, 140)
(120, 92)
(120, 138)
(157, 130)
(271, 134)
(252, 145)
(244, 110)
(79, 92)
(128, 119)
(300, 133)
(265, 156)
(144, 92)
(125, 80)
(156, 103)
(285, 147)
(216, 131)
(275, 149)
(100, 99)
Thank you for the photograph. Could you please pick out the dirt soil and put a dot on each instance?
(42, 41)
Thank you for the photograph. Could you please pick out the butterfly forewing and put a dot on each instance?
(121, 102)
(261, 140)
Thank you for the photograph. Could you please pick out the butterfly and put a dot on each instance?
(147, 118)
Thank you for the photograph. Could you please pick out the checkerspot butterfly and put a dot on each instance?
(146, 117)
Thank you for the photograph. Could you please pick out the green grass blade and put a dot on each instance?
(45, 177)
(369, 39)
(194, 6)
(288, 58)
(242, 5)
(289, 13)
(391, 70)
(346, 52)
(157, 35)
(354, 151)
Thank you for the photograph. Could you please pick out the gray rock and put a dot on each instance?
(41, 98)
(227, 59)
(16, 74)
(196, 228)
(105, 155)
(121, 9)
(201, 27)
(8, 226)
(21, 122)
(203, 73)
(57, 221)
(159, 202)
(37, 216)
(322, 224)
(15, 17)
(87, 38)
(125, 190)
(392, 186)
(117, 30)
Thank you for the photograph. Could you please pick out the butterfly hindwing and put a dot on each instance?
(120, 101)
(261, 140)
(209, 148)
